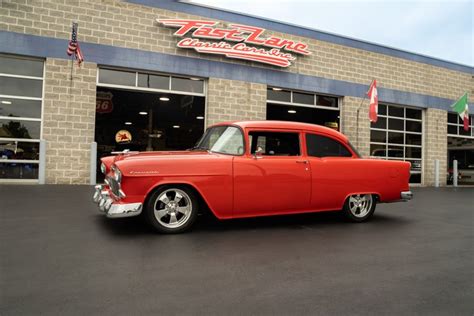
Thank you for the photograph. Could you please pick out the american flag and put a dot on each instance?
(73, 46)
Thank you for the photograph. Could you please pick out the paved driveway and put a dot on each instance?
(59, 256)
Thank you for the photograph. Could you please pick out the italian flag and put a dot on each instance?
(462, 109)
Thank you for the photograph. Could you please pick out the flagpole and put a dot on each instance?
(72, 58)
(357, 114)
(357, 123)
(72, 65)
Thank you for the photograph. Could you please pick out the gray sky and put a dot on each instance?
(442, 28)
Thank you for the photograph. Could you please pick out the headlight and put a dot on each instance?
(103, 168)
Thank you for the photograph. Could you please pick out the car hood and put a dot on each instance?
(150, 155)
(188, 162)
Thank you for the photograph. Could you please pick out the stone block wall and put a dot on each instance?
(358, 130)
(68, 120)
(229, 100)
(124, 24)
(435, 145)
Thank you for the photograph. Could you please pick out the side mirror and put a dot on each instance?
(258, 153)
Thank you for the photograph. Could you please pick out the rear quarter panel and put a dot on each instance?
(334, 179)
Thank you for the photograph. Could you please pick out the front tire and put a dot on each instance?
(359, 207)
(172, 209)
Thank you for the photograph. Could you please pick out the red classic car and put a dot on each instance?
(251, 168)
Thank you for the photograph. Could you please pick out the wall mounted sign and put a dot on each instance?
(233, 41)
(123, 136)
(104, 102)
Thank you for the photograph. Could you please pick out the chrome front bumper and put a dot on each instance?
(114, 210)
(406, 195)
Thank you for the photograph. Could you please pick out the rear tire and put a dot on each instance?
(172, 209)
(359, 207)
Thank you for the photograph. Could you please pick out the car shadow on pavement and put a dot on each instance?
(207, 223)
(129, 226)
(296, 221)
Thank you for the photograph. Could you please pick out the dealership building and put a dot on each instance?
(157, 73)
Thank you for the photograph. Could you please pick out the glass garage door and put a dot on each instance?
(21, 95)
(305, 107)
(398, 135)
(461, 149)
(143, 111)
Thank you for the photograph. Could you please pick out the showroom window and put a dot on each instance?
(456, 126)
(278, 95)
(21, 96)
(398, 135)
(150, 82)
(143, 111)
(305, 107)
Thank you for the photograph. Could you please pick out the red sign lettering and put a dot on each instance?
(280, 52)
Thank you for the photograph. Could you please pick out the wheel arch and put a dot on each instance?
(205, 206)
(375, 194)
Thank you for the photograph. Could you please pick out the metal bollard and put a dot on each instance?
(437, 173)
(42, 162)
(93, 171)
(455, 173)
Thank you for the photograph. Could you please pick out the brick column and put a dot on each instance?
(68, 120)
(435, 145)
(358, 133)
(229, 100)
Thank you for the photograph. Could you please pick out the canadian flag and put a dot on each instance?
(374, 101)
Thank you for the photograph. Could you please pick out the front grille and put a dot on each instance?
(114, 186)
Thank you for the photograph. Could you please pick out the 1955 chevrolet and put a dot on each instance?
(250, 168)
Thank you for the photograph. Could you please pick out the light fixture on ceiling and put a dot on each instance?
(143, 113)
(176, 126)
(164, 99)
(200, 117)
(195, 79)
(128, 123)
(292, 111)
(276, 89)
(6, 102)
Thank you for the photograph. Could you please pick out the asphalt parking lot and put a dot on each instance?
(59, 256)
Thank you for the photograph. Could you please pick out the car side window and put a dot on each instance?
(275, 143)
(322, 146)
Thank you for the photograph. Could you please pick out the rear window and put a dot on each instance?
(322, 146)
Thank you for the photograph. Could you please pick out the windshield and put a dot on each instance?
(222, 139)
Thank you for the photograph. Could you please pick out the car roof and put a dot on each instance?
(286, 125)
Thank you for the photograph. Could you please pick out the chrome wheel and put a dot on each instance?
(360, 204)
(173, 208)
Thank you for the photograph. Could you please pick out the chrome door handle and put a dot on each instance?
(302, 161)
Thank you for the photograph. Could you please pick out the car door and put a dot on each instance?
(333, 171)
(275, 181)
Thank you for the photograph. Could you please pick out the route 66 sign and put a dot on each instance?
(104, 102)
